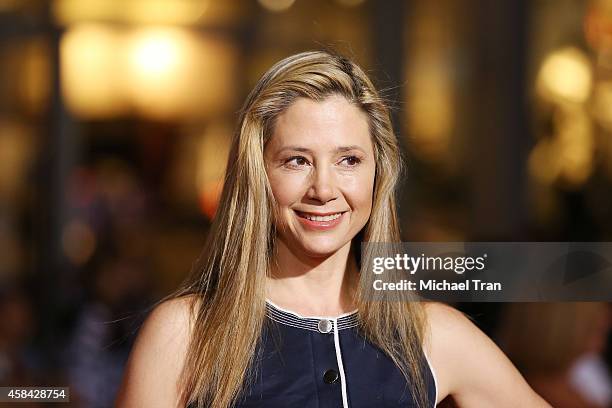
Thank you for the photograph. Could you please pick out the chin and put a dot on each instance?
(320, 248)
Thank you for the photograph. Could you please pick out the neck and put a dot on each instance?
(313, 286)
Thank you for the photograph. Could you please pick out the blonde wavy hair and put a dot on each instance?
(229, 277)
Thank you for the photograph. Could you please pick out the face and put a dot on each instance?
(320, 163)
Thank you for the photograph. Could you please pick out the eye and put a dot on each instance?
(296, 161)
(350, 161)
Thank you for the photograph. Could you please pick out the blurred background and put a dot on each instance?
(115, 122)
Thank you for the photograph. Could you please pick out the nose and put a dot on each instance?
(322, 186)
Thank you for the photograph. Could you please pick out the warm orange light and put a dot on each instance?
(156, 55)
(157, 68)
(167, 73)
(567, 156)
(598, 25)
(276, 5)
(543, 163)
(577, 148)
(16, 148)
(213, 151)
(210, 194)
(430, 113)
(565, 76)
(91, 70)
(174, 73)
(350, 3)
(602, 104)
(130, 11)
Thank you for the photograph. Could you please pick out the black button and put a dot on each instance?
(330, 376)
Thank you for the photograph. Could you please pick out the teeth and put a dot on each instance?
(322, 218)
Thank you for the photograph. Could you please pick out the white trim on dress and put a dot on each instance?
(310, 317)
(340, 365)
(433, 374)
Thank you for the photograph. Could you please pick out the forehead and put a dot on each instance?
(319, 124)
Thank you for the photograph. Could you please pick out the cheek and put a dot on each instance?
(285, 188)
(358, 192)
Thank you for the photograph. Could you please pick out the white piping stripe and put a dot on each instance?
(281, 313)
(345, 321)
(348, 325)
(309, 317)
(310, 324)
(306, 326)
(433, 374)
(340, 366)
(292, 325)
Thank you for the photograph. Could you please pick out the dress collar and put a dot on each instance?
(322, 324)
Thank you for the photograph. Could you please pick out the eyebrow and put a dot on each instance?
(338, 149)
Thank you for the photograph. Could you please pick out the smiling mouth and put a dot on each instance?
(318, 217)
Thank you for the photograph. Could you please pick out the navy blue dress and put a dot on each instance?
(312, 362)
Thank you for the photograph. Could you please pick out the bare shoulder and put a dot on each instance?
(156, 360)
(443, 317)
(469, 366)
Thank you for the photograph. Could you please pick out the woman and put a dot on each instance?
(311, 174)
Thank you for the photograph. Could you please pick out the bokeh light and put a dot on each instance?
(131, 11)
(160, 72)
(92, 72)
(276, 5)
(565, 76)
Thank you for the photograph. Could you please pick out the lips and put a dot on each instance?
(320, 221)
(319, 217)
